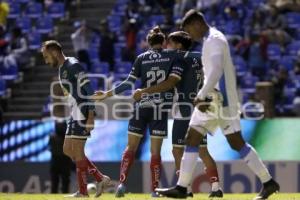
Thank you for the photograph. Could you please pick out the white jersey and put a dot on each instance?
(219, 72)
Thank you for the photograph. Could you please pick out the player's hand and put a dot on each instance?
(99, 95)
(201, 104)
(137, 95)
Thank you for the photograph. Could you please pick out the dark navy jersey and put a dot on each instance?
(191, 81)
(153, 67)
(76, 85)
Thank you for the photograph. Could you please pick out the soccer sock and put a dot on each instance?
(212, 174)
(81, 169)
(251, 158)
(155, 166)
(127, 160)
(187, 166)
(92, 170)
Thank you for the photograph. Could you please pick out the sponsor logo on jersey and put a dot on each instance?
(195, 63)
(64, 74)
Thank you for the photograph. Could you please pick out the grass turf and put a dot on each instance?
(280, 196)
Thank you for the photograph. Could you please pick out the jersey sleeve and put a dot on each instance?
(215, 56)
(177, 68)
(135, 72)
(129, 82)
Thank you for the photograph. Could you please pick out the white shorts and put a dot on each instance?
(227, 118)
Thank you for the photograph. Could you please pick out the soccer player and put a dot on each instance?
(187, 84)
(152, 67)
(76, 86)
(216, 105)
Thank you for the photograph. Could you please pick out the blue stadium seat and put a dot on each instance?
(293, 48)
(287, 62)
(114, 23)
(248, 83)
(156, 20)
(118, 49)
(95, 83)
(44, 24)
(56, 10)
(24, 23)
(10, 73)
(100, 68)
(14, 11)
(293, 20)
(274, 52)
(240, 65)
(119, 78)
(289, 96)
(34, 40)
(2, 87)
(34, 10)
(93, 53)
(123, 67)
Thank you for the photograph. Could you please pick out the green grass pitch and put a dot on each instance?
(280, 196)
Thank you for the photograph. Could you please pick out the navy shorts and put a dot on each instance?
(148, 117)
(179, 131)
(76, 129)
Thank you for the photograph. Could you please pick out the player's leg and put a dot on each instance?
(198, 128)
(54, 172)
(136, 129)
(210, 169)
(158, 128)
(232, 130)
(81, 165)
(129, 155)
(155, 163)
(67, 148)
(179, 131)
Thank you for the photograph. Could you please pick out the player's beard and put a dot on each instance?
(54, 64)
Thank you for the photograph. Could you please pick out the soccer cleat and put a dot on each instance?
(120, 191)
(216, 194)
(176, 192)
(190, 194)
(189, 191)
(77, 195)
(100, 186)
(268, 189)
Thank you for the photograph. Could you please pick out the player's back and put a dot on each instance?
(153, 67)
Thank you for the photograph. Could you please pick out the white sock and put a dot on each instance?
(187, 166)
(251, 158)
(215, 186)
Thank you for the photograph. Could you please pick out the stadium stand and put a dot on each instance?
(227, 15)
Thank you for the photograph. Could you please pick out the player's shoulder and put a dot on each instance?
(192, 54)
(215, 36)
(73, 64)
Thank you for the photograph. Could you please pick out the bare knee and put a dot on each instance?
(235, 141)
(193, 138)
(156, 144)
(68, 151)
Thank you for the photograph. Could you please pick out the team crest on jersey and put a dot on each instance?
(154, 56)
(195, 63)
(64, 74)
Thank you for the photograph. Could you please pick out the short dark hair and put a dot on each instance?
(52, 45)
(192, 16)
(181, 37)
(155, 36)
